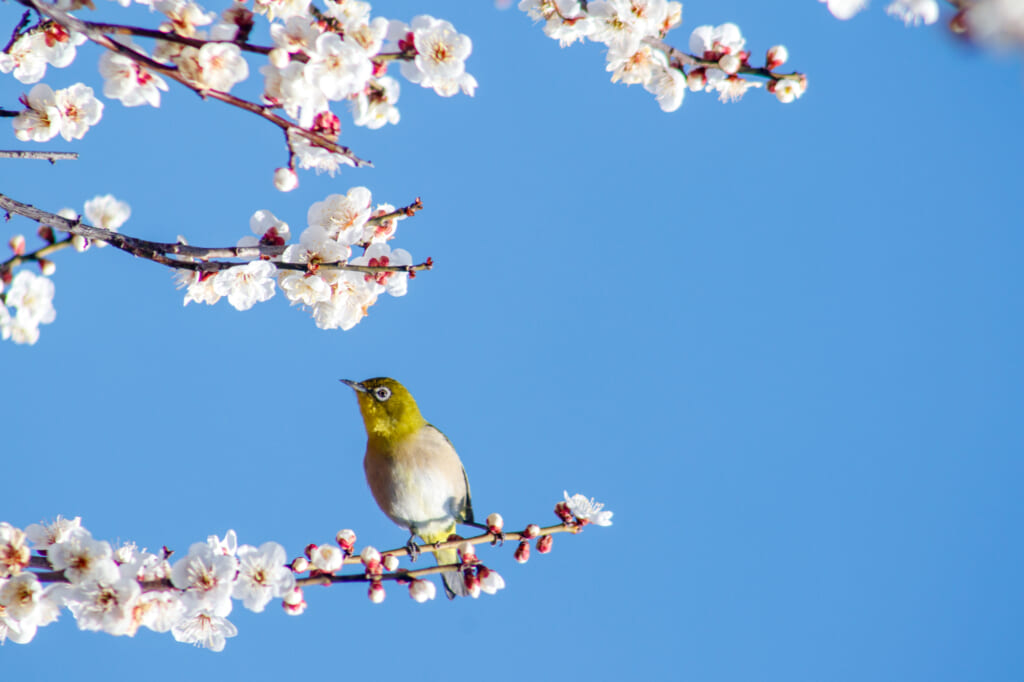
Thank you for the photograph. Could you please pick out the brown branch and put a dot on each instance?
(160, 252)
(73, 23)
(45, 156)
(678, 59)
(36, 256)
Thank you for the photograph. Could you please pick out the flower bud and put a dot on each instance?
(776, 57)
(279, 57)
(390, 562)
(293, 602)
(300, 565)
(467, 551)
(376, 592)
(696, 79)
(79, 243)
(729, 63)
(346, 539)
(495, 523)
(490, 581)
(472, 582)
(45, 233)
(563, 512)
(17, 244)
(370, 555)
(47, 267)
(422, 590)
(532, 531)
(309, 551)
(523, 552)
(788, 89)
(544, 544)
(285, 179)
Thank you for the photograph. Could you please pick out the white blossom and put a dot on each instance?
(588, 510)
(564, 20)
(246, 285)
(204, 628)
(342, 216)
(845, 9)
(207, 578)
(79, 109)
(441, 54)
(668, 85)
(199, 286)
(83, 558)
(374, 106)
(41, 121)
(262, 575)
(914, 12)
(26, 60)
(14, 552)
(380, 255)
(106, 603)
(281, 9)
(130, 82)
(339, 68)
(326, 558)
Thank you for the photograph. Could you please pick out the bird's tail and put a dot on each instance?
(454, 585)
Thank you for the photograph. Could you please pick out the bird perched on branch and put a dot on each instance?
(414, 473)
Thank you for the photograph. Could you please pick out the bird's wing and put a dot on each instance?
(467, 512)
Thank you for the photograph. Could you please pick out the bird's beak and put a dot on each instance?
(354, 385)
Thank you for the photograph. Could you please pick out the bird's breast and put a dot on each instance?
(419, 483)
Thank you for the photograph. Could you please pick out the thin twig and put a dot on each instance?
(45, 156)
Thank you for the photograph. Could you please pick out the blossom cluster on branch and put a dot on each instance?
(317, 273)
(634, 31)
(47, 567)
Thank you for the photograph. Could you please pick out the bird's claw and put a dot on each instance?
(413, 549)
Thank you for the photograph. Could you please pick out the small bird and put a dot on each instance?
(414, 473)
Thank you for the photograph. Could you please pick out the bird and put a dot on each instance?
(413, 471)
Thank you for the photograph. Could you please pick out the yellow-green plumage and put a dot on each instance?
(413, 471)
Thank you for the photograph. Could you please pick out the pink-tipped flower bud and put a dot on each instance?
(422, 590)
(730, 63)
(467, 552)
(776, 57)
(346, 539)
(17, 244)
(495, 523)
(563, 512)
(293, 602)
(544, 544)
(532, 531)
(79, 243)
(390, 562)
(472, 582)
(309, 551)
(45, 233)
(371, 559)
(285, 179)
(300, 565)
(490, 581)
(47, 267)
(376, 592)
(523, 552)
(696, 79)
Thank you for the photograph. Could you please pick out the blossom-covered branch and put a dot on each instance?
(634, 32)
(318, 272)
(47, 567)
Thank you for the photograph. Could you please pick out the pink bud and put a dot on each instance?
(495, 523)
(523, 552)
(544, 544)
(310, 550)
(468, 552)
(300, 565)
(422, 590)
(17, 244)
(285, 179)
(472, 582)
(696, 79)
(390, 562)
(376, 592)
(730, 63)
(294, 603)
(490, 581)
(562, 512)
(45, 233)
(47, 267)
(346, 539)
(776, 57)
(532, 531)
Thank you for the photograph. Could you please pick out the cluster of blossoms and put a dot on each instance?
(48, 567)
(337, 298)
(118, 590)
(997, 23)
(339, 53)
(633, 31)
(31, 295)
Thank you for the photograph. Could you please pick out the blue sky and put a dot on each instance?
(781, 343)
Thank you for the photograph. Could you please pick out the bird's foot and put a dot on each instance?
(413, 549)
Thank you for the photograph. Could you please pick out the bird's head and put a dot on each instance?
(389, 410)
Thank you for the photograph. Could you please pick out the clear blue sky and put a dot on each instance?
(781, 343)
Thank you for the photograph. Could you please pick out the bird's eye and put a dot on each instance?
(382, 393)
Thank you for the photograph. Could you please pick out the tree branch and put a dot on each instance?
(52, 157)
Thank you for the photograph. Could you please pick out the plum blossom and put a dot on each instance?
(26, 59)
(207, 578)
(339, 68)
(106, 602)
(108, 212)
(268, 228)
(441, 54)
(564, 20)
(349, 302)
(130, 82)
(79, 109)
(204, 628)
(32, 296)
(374, 106)
(380, 254)
(41, 120)
(246, 285)
(14, 552)
(82, 558)
(214, 66)
(587, 510)
(199, 286)
(262, 575)
(668, 85)
(184, 16)
(282, 9)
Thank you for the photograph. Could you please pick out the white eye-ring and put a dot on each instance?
(382, 393)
